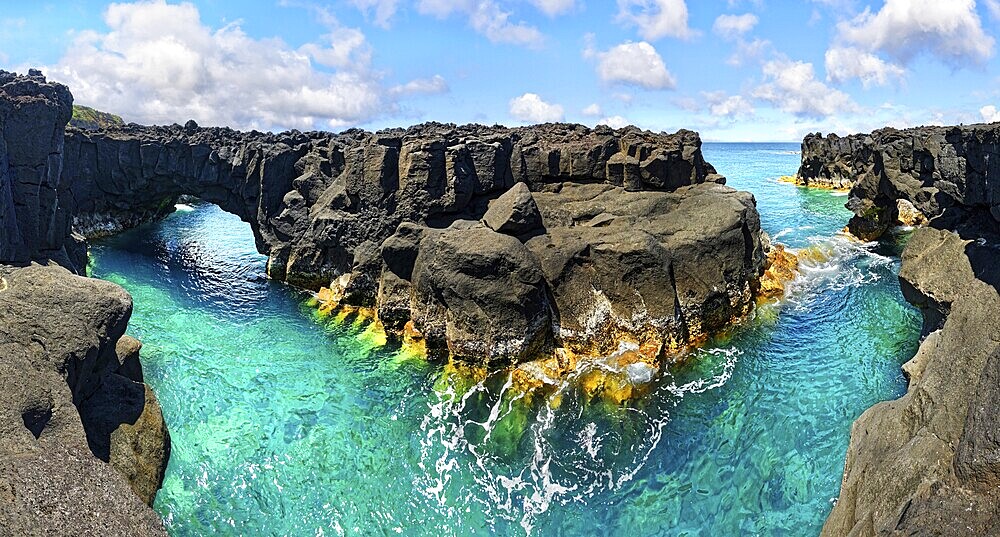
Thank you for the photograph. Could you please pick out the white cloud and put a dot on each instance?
(949, 30)
(554, 7)
(730, 26)
(846, 63)
(993, 7)
(158, 63)
(748, 50)
(421, 86)
(990, 114)
(380, 11)
(793, 88)
(530, 108)
(486, 18)
(593, 110)
(656, 19)
(633, 63)
(615, 122)
(731, 106)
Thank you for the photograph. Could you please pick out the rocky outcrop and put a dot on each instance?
(492, 243)
(68, 407)
(944, 175)
(929, 462)
(83, 444)
(35, 213)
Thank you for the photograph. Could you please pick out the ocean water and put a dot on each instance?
(286, 423)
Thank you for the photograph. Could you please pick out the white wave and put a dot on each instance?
(183, 207)
(552, 473)
(839, 193)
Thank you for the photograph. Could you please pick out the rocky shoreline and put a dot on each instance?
(443, 230)
(487, 245)
(929, 462)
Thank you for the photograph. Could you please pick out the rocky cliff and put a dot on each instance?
(83, 444)
(494, 244)
(928, 463)
(947, 175)
(35, 212)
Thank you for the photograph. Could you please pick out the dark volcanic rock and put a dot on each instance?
(482, 293)
(927, 463)
(945, 173)
(363, 214)
(514, 213)
(35, 217)
(58, 371)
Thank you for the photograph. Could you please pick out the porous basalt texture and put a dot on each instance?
(65, 405)
(929, 462)
(492, 243)
(946, 174)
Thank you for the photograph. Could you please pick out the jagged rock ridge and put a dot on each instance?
(393, 221)
(950, 175)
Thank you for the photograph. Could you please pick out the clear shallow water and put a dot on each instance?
(287, 424)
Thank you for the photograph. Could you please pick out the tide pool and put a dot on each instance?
(284, 423)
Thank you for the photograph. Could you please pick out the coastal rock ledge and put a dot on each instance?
(490, 245)
(494, 244)
(83, 442)
(929, 462)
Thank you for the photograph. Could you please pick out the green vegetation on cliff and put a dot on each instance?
(85, 117)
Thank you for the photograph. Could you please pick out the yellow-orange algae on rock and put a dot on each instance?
(782, 267)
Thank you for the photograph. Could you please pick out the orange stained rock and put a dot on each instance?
(783, 266)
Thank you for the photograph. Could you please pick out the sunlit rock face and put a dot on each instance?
(493, 244)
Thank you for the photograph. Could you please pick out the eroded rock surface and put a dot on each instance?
(83, 443)
(492, 243)
(64, 407)
(928, 463)
(35, 216)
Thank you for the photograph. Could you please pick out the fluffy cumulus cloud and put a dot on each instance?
(792, 86)
(593, 110)
(636, 64)
(727, 106)
(421, 86)
(487, 18)
(656, 19)
(845, 63)
(990, 114)
(530, 108)
(729, 26)
(949, 30)
(615, 122)
(159, 63)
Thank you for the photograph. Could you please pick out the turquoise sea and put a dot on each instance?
(284, 423)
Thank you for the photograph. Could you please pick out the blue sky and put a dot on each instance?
(736, 70)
